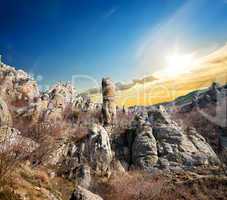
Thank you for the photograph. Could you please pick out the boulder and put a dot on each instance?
(108, 106)
(5, 116)
(81, 193)
(144, 149)
(158, 116)
(11, 139)
(61, 94)
(99, 150)
(159, 142)
(17, 85)
(77, 158)
(184, 147)
(53, 115)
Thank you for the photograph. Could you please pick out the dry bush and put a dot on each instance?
(123, 122)
(77, 116)
(79, 133)
(205, 127)
(203, 188)
(130, 186)
(11, 155)
(42, 176)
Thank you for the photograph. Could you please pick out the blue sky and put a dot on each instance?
(123, 39)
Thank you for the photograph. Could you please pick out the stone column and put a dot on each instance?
(108, 104)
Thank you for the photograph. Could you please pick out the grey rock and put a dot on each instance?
(144, 149)
(17, 85)
(108, 105)
(81, 193)
(5, 116)
(76, 159)
(99, 149)
(11, 138)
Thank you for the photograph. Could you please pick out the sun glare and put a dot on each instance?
(178, 64)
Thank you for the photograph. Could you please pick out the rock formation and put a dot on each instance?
(77, 159)
(144, 148)
(99, 149)
(86, 154)
(17, 85)
(11, 138)
(5, 116)
(83, 194)
(159, 142)
(108, 106)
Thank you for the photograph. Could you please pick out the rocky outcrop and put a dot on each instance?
(11, 139)
(99, 149)
(108, 106)
(76, 159)
(50, 106)
(162, 143)
(83, 194)
(201, 99)
(83, 103)
(5, 116)
(17, 85)
(144, 149)
(61, 94)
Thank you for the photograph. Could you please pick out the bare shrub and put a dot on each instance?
(12, 153)
(206, 128)
(123, 122)
(130, 186)
(42, 176)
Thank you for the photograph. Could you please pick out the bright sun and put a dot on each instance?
(178, 64)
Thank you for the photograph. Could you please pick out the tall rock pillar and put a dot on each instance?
(108, 104)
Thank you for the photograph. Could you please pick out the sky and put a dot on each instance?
(89, 39)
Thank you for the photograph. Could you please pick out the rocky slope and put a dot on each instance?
(58, 145)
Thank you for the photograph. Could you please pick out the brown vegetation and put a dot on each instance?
(130, 186)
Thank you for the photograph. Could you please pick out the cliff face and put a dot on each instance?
(60, 145)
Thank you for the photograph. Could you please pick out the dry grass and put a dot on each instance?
(123, 122)
(130, 186)
(209, 130)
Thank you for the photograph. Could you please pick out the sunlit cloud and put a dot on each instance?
(171, 35)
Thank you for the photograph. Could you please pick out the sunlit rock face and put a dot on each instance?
(108, 106)
(17, 85)
(81, 193)
(77, 158)
(61, 94)
(11, 138)
(5, 116)
(160, 142)
(99, 150)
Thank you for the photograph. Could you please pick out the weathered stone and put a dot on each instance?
(108, 106)
(158, 116)
(5, 116)
(77, 158)
(169, 144)
(17, 85)
(11, 138)
(83, 194)
(61, 94)
(185, 147)
(144, 149)
(99, 149)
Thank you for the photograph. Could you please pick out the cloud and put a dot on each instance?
(125, 86)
